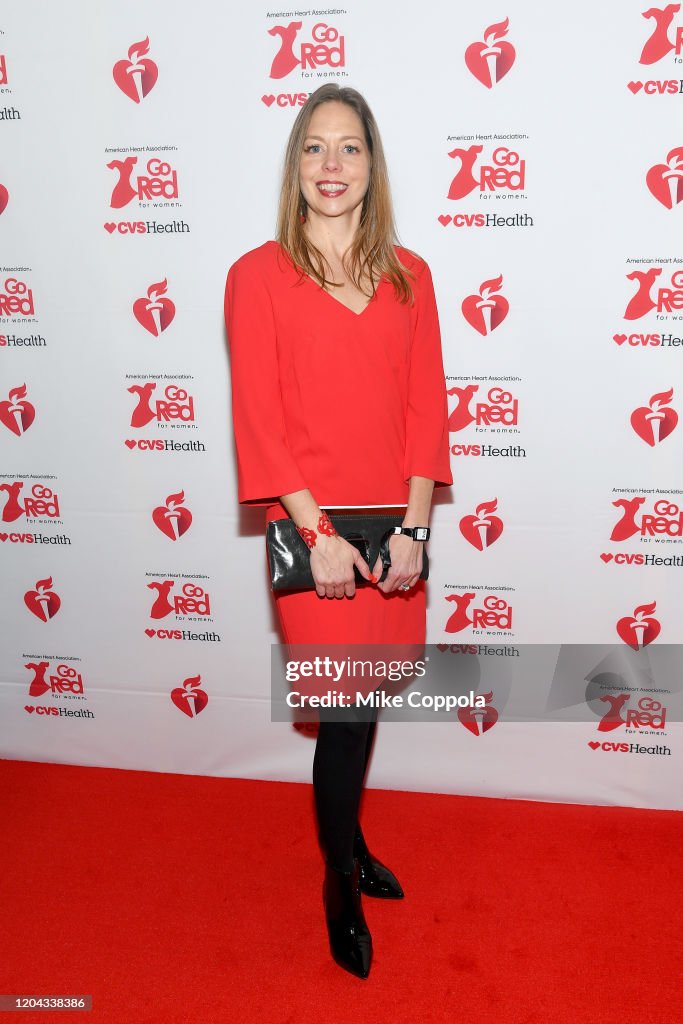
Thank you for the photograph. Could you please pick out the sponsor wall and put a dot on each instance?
(537, 164)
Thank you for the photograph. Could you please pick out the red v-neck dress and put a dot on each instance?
(349, 405)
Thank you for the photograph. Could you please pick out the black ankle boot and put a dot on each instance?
(350, 939)
(375, 879)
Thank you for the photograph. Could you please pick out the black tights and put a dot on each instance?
(342, 752)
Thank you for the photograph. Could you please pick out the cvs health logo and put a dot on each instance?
(65, 679)
(173, 519)
(665, 36)
(666, 519)
(189, 698)
(479, 720)
(486, 310)
(15, 413)
(156, 312)
(499, 407)
(40, 503)
(43, 602)
(177, 404)
(665, 181)
(324, 48)
(136, 77)
(668, 297)
(192, 600)
(650, 714)
(653, 422)
(503, 171)
(16, 299)
(493, 614)
(640, 629)
(158, 180)
(490, 60)
(482, 529)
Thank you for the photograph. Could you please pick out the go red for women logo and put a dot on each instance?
(665, 520)
(640, 629)
(16, 298)
(503, 171)
(177, 404)
(4, 198)
(189, 698)
(43, 602)
(191, 600)
(40, 502)
(15, 413)
(650, 714)
(665, 181)
(654, 422)
(173, 519)
(667, 297)
(482, 529)
(486, 309)
(157, 183)
(155, 313)
(136, 77)
(323, 49)
(492, 615)
(666, 37)
(491, 59)
(64, 679)
(499, 408)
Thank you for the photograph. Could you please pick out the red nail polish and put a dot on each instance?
(373, 579)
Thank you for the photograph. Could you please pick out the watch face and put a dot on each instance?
(421, 533)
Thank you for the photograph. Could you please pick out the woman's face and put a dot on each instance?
(334, 172)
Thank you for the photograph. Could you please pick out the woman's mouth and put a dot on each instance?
(331, 189)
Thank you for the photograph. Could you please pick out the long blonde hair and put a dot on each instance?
(371, 254)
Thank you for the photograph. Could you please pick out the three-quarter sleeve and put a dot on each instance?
(427, 443)
(266, 468)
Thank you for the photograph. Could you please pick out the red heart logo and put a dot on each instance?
(138, 79)
(488, 68)
(182, 698)
(472, 531)
(607, 558)
(619, 338)
(635, 87)
(594, 744)
(110, 227)
(4, 536)
(665, 181)
(268, 100)
(130, 444)
(29, 708)
(625, 629)
(144, 311)
(473, 312)
(18, 420)
(651, 429)
(150, 632)
(181, 516)
(4, 198)
(445, 219)
(44, 605)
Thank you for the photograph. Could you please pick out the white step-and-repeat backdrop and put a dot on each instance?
(537, 164)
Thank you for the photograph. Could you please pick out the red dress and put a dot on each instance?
(350, 405)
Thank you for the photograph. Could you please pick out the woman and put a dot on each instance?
(339, 401)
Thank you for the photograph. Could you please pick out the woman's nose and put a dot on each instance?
(332, 161)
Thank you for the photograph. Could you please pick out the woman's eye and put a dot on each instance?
(352, 149)
(313, 148)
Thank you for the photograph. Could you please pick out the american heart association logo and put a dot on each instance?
(43, 602)
(482, 529)
(653, 423)
(135, 77)
(487, 310)
(16, 414)
(490, 60)
(188, 698)
(157, 311)
(640, 629)
(4, 198)
(172, 518)
(665, 181)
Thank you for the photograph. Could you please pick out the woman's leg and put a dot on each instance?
(338, 771)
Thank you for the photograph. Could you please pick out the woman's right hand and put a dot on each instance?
(332, 562)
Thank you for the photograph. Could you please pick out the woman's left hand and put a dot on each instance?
(406, 564)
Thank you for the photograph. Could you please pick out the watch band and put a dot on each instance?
(416, 532)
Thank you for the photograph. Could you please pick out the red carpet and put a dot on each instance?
(174, 898)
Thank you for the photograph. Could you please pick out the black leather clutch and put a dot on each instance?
(289, 556)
